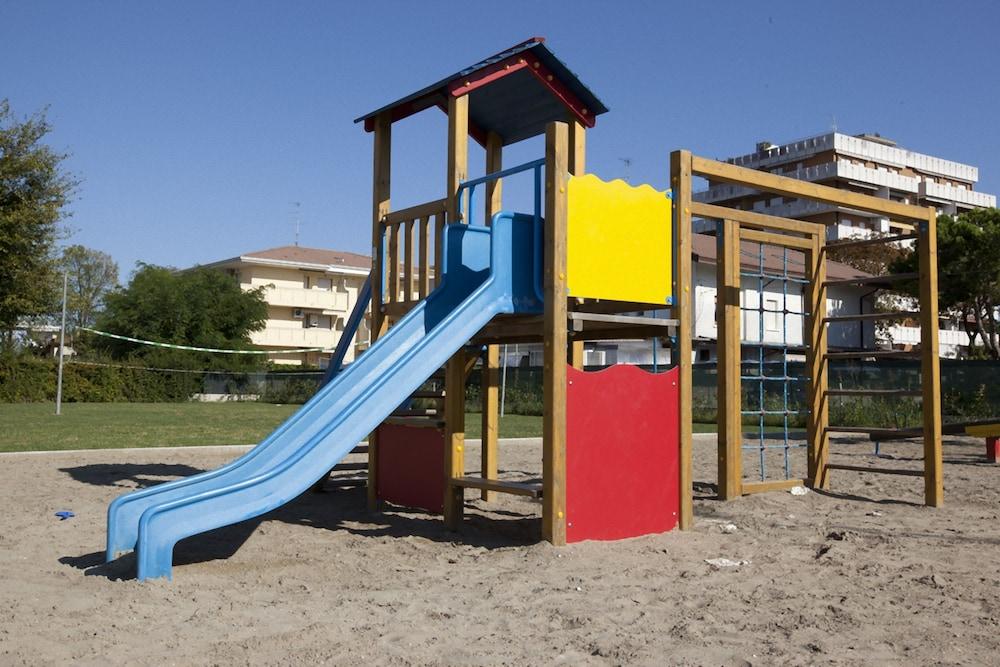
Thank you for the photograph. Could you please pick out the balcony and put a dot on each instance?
(313, 299)
(949, 194)
(295, 337)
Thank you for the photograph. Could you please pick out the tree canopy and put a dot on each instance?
(34, 190)
(91, 275)
(200, 307)
(968, 274)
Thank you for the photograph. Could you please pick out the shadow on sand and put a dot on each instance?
(333, 509)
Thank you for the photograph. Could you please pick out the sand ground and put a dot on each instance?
(863, 574)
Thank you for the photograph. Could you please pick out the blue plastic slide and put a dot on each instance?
(488, 271)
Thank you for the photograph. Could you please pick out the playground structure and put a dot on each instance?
(448, 289)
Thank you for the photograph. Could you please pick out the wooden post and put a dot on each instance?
(380, 208)
(490, 380)
(680, 183)
(729, 348)
(817, 431)
(554, 380)
(454, 407)
(577, 167)
(930, 361)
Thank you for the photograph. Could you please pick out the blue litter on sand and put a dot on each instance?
(65, 514)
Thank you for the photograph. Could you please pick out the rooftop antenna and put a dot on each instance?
(627, 161)
(298, 219)
(833, 123)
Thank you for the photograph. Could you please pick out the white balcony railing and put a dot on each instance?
(295, 337)
(307, 298)
(952, 194)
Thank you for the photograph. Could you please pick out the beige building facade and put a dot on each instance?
(310, 294)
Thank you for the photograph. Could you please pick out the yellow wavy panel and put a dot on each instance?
(619, 243)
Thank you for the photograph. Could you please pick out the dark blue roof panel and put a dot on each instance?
(514, 93)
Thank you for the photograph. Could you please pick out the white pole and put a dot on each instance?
(62, 346)
(503, 381)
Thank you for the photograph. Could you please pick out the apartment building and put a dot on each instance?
(869, 164)
(310, 294)
(866, 163)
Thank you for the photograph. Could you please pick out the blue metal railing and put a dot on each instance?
(471, 185)
(536, 167)
(349, 332)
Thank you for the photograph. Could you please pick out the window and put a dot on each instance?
(771, 315)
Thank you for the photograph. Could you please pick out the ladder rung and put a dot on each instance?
(899, 315)
(415, 413)
(516, 488)
(428, 394)
(872, 280)
(863, 354)
(881, 471)
(416, 422)
(871, 241)
(874, 392)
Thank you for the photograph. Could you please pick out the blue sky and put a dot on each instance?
(194, 126)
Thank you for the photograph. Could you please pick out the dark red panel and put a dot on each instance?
(621, 453)
(992, 449)
(410, 465)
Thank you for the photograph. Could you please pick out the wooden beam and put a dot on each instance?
(776, 485)
(781, 240)
(414, 212)
(878, 240)
(818, 421)
(793, 187)
(458, 162)
(680, 183)
(554, 377)
(381, 161)
(458, 152)
(930, 361)
(490, 379)
(454, 441)
(878, 471)
(729, 394)
(873, 280)
(494, 485)
(490, 396)
(621, 319)
(577, 163)
(756, 220)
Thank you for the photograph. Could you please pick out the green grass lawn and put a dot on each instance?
(34, 427)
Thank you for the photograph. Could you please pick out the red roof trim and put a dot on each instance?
(560, 90)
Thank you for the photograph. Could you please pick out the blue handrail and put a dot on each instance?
(468, 216)
(350, 330)
(471, 184)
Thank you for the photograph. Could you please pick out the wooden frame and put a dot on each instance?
(811, 239)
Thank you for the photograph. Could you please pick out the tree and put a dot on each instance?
(968, 255)
(200, 307)
(34, 190)
(92, 274)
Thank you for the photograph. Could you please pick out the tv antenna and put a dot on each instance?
(298, 219)
(627, 161)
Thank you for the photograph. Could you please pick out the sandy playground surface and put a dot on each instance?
(861, 575)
